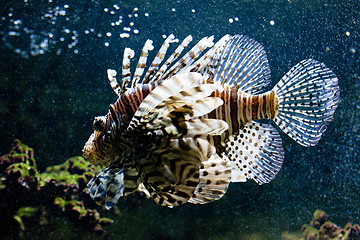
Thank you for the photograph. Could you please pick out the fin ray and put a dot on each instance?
(255, 153)
(308, 97)
(215, 176)
(243, 64)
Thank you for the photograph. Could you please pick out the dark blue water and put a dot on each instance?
(54, 56)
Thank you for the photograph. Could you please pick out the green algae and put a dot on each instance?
(34, 199)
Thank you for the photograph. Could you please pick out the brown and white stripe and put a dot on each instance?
(126, 74)
(173, 57)
(240, 108)
(159, 57)
(142, 62)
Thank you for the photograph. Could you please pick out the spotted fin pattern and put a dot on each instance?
(308, 97)
(256, 153)
(243, 65)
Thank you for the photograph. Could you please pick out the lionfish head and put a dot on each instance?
(98, 148)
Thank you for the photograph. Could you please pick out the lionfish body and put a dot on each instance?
(190, 127)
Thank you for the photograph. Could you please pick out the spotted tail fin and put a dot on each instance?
(308, 96)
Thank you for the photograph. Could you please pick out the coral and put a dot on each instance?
(29, 198)
(320, 229)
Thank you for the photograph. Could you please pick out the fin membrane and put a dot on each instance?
(243, 64)
(171, 175)
(308, 97)
(108, 186)
(255, 153)
(215, 176)
(173, 108)
(112, 183)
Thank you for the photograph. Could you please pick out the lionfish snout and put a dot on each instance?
(89, 150)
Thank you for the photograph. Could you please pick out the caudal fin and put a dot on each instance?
(308, 97)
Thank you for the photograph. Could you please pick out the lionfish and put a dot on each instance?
(185, 129)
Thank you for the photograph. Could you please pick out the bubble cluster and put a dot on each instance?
(231, 20)
(59, 28)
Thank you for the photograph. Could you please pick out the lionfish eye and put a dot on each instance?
(99, 124)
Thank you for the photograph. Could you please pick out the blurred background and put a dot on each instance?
(53, 62)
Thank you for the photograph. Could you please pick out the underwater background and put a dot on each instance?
(53, 82)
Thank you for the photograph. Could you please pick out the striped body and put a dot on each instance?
(238, 109)
(187, 129)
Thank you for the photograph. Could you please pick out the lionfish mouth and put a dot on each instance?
(89, 150)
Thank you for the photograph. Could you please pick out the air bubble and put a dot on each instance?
(124, 35)
(17, 22)
(55, 25)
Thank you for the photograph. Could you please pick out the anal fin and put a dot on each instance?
(215, 176)
(255, 153)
